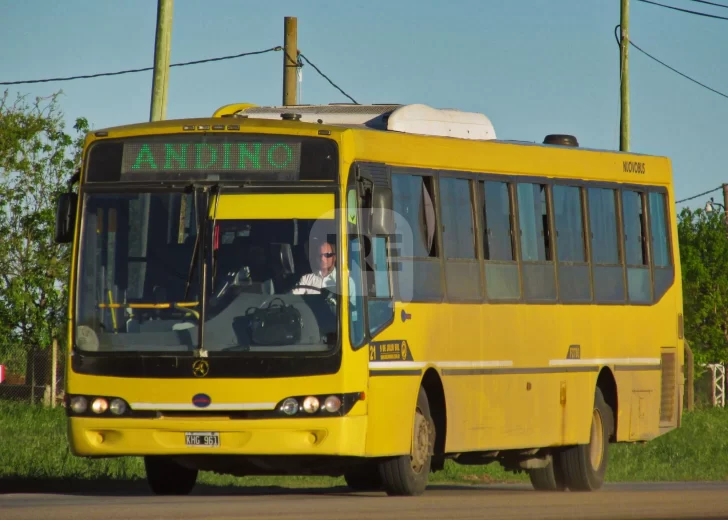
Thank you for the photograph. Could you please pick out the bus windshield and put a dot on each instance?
(271, 283)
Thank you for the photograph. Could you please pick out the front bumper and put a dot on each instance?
(344, 436)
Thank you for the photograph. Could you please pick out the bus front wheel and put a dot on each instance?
(584, 465)
(407, 475)
(166, 477)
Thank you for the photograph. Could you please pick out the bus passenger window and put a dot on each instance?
(501, 268)
(574, 279)
(569, 228)
(457, 218)
(539, 278)
(606, 260)
(532, 211)
(419, 275)
(462, 270)
(663, 271)
(635, 247)
(660, 233)
(413, 200)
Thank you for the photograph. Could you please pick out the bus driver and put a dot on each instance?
(326, 275)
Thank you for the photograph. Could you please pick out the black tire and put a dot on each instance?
(166, 477)
(584, 465)
(407, 475)
(550, 478)
(364, 478)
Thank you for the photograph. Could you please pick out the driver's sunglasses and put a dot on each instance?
(327, 255)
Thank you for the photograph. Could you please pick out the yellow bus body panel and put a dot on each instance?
(505, 370)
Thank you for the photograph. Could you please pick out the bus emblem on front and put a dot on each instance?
(200, 368)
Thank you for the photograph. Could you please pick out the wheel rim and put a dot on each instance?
(420, 442)
(596, 443)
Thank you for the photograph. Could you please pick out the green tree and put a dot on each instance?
(37, 160)
(704, 258)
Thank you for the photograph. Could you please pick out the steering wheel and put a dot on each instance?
(319, 290)
(328, 296)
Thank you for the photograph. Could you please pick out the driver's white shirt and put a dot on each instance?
(316, 280)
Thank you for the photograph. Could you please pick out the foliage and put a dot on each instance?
(704, 258)
(37, 160)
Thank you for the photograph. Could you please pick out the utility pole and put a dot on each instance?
(290, 60)
(162, 46)
(624, 76)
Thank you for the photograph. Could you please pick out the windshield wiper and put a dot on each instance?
(199, 256)
(193, 260)
(215, 235)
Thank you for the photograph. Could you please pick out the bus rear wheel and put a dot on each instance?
(407, 475)
(549, 478)
(584, 465)
(166, 477)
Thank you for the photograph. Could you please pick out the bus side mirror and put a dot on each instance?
(65, 217)
(382, 221)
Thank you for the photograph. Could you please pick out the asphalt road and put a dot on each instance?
(618, 501)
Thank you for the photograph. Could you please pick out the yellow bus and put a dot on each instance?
(367, 291)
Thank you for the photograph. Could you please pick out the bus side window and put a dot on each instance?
(419, 274)
(574, 276)
(501, 267)
(379, 293)
(639, 288)
(356, 305)
(539, 279)
(462, 268)
(663, 271)
(605, 250)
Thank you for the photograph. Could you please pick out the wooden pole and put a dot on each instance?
(624, 77)
(290, 60)
(162, 46)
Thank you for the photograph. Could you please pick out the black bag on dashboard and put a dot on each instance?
(275, 324)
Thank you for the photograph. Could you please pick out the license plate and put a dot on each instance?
(202, 439)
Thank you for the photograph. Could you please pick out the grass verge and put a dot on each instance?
(34, 448)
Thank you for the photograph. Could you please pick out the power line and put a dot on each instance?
(668, 66)
(677, 71)
(327, 79)
(685, 10)
(699, 195)
(710, 3)
(197, 62)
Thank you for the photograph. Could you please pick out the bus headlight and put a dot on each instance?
(100, 405)
(332, 404)
(117, 407)
(79, 404)
(311, 404)
(289, 406)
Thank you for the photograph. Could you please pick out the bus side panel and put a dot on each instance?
(392, 401)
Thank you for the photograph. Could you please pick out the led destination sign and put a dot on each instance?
(199, 157)
(249, 157)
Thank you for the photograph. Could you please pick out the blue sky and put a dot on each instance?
(534, 67)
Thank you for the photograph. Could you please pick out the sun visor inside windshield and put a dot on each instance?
(274, 206)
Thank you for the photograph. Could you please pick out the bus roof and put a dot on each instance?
(414, 119)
